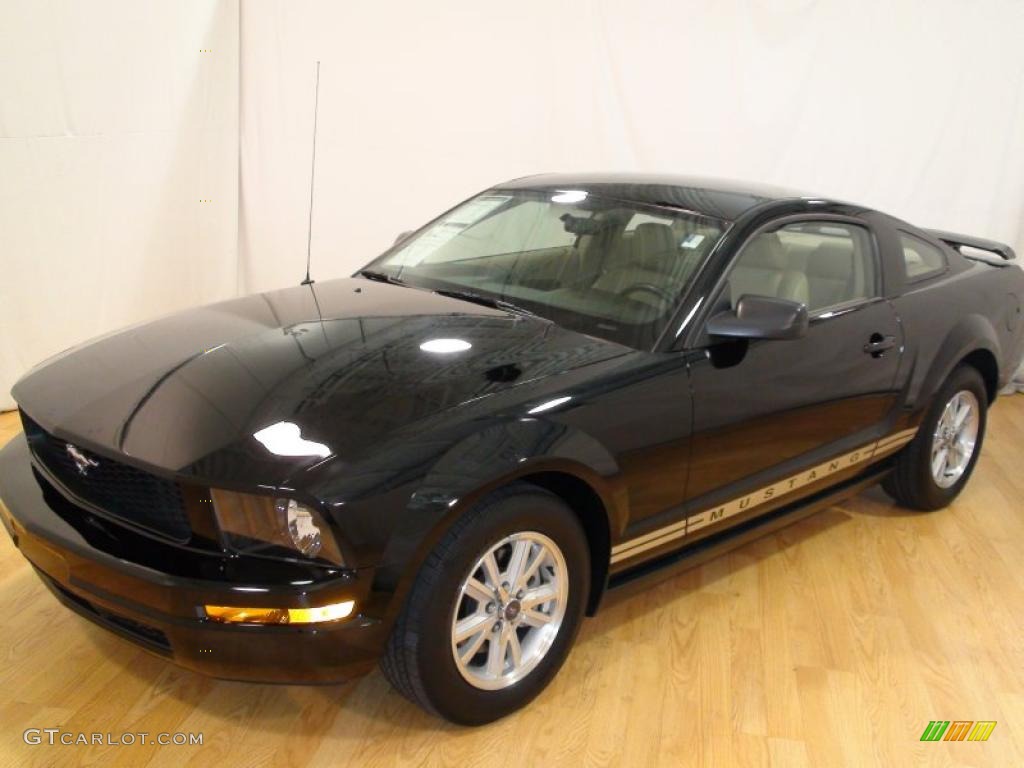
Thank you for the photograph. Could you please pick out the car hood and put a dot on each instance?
(260, 387)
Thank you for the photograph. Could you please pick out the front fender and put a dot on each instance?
(490, 458)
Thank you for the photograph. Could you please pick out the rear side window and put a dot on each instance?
(921, 259)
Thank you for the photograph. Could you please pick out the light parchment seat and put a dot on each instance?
(653, 257)
(831, 276)
(763, 270)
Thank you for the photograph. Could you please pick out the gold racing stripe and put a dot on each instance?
(896, 439)
(695, 522)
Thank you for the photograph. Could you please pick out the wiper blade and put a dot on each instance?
(382, 277)
(487, 301)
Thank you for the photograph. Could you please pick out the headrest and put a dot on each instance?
(831, 260)
(764, 252)
(654, 245)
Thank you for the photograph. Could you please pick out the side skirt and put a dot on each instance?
(627, 583)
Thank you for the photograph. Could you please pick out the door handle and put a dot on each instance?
(878, 344)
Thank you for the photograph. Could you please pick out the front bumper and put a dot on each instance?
(162, 611)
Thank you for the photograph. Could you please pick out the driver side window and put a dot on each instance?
(820, 264)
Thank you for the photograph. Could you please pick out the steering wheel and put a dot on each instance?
(651, 288)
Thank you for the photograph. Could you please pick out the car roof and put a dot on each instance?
(719, 198)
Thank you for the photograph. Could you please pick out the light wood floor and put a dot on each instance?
(833, 642)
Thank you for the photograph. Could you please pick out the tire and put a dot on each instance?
(913, 482)
(420, 658)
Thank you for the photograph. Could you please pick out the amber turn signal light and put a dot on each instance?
(237, 615)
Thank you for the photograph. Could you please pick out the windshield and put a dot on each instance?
(604, 267)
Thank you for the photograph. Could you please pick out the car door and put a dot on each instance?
(765, 410)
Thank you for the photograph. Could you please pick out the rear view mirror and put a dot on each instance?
(761, 317)
(402, 236)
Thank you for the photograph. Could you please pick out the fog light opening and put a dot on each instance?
(238, 615)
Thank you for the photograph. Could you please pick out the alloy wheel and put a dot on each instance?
(509, 610)
(954, 438)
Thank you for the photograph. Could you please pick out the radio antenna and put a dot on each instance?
(312, 178)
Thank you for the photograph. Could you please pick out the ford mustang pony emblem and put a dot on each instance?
(82, 462)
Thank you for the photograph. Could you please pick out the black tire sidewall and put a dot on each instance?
(449, 693)
(932, 494)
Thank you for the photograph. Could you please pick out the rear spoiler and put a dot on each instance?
(955, 241)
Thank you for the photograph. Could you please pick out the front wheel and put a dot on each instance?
(494, 610)
(932, 470)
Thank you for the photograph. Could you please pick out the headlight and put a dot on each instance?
(302, 528)
(273, 527)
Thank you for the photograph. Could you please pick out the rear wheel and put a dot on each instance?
(932, 470)
(494, 610)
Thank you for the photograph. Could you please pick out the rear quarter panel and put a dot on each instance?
(974, 306)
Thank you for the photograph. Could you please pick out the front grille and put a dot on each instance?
(119, 490)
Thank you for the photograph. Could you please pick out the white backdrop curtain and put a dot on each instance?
(916, 108)
(118, 122)
(115, 122)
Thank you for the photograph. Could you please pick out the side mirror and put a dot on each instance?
(761, 317)
(402, 236)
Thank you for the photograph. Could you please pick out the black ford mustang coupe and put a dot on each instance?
(559, 387)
